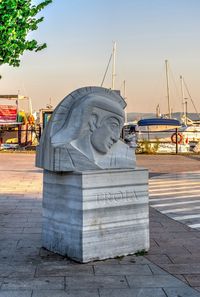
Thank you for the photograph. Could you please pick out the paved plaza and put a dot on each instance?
(170, 269)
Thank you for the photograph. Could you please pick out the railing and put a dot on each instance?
(20, 137)
(171, 141)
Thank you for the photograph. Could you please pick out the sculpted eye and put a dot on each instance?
(114, 125)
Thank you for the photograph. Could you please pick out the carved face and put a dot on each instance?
(108, 133)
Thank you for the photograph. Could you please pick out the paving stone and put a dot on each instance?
(153, 243)
(132, 293)
(197, 288)
(12, 217)
(35, 219)
(6, 252)
(163, 259)
(193, 249)
(17, 224)
(41, 283)
(177, 242)
(181, 292)
(92, 282)
(182, 278)
(133, 260)
(12, 271)
(155, 224)
(17, 293)
(24, 243)
(115, 261)
(1, 281)
(185, 258)
(160, 235)
(5, 259)
(168, 250)
(70, 293)
(122, 269)
(157, 270)
(14, 230)
(30, 230)
(190, 268)
(12, 221)
(63, 269)
(19, 236)
(170, 228)
(193, 279)
(50, 256)
(23, 259)
(27, 250)
(155, 281)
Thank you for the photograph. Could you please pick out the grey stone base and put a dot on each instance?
(94, 215)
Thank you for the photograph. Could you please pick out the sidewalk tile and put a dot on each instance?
(182, 278)
(190, 268)
(132, 293)
(185, 258)
(168, 251)
(181, 292)
(161, 259)
(197, 288)
(157, 270)
(134, 260)
(128, 269)
(193, 279)
(93, 282)
(63, 269)
(115, 261)
(16, 293)
(155, 281)
(70, 293)
(13, 271)
(33, 283)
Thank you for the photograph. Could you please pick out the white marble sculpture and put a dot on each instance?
(95, 202)
(83, 133)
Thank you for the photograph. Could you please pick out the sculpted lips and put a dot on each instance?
(110, 143)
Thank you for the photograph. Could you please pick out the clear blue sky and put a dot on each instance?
(80, 35)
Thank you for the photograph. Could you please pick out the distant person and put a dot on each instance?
(131, 139)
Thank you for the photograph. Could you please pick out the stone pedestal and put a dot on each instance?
(95, 215)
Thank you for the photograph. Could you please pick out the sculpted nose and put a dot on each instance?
(115, 136)
(114, 139)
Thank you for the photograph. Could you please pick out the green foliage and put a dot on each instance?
(148, 147)
(141, 253)
(17, 19)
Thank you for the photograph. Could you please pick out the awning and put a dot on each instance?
(159, 124)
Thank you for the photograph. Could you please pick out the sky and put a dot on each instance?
(80, 36)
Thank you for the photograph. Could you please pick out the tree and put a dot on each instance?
(17, 19)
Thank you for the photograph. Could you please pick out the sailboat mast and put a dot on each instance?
(125, 110)
(113, 66)
(168, 94)
(183, 99)
(124, 89)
